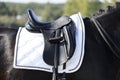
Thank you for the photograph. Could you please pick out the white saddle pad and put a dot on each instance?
(29, 49)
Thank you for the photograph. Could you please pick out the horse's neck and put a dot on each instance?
(110, 25)
(92, 32)
(110, 21)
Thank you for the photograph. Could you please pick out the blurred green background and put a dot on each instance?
(14, 15)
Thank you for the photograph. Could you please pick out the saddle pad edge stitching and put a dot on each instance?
(82, 50)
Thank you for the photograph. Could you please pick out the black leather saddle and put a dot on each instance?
(59, 37)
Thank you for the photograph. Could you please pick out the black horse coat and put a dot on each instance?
(99, 61)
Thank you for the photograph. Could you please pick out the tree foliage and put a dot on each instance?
(73, 6)
(93, 6)
(10, 11)
(86, 7)
(52, 11)
(4, 10)
(49, 11)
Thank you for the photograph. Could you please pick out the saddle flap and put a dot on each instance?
(66, 46)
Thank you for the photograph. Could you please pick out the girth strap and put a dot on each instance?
(56, 41)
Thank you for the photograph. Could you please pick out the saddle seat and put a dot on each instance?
(37, 25)
(59, 37)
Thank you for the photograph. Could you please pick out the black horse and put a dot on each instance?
(102, 51)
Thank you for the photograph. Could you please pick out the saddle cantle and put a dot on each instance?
(59, 37)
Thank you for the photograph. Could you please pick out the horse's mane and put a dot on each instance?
(109, 9)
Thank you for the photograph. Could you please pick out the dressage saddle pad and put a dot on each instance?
(29, 50)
